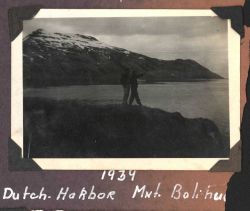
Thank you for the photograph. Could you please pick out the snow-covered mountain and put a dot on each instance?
(53, 59)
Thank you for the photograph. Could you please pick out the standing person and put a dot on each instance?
(134, 85)
(126, 86)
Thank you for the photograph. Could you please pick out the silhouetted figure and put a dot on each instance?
(134, 85)
(126, 86)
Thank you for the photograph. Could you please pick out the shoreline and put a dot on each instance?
(139, 82)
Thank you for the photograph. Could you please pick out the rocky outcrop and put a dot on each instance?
(71, 129)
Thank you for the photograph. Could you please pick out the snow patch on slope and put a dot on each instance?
(57, 40)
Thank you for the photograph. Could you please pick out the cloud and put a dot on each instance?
(188, 26)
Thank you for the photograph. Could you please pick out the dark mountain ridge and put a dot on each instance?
(56, 59)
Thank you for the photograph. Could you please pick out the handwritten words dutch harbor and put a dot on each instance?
(177, 191)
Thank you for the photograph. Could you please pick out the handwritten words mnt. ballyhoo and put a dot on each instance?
(158, 190)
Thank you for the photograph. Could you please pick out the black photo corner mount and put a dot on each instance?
(16, 16)
(233, 164)
(15, 160)
(246, 13)
(235, 14)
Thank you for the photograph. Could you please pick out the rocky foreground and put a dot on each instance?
(73, 129)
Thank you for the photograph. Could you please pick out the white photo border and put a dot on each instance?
(125, 163)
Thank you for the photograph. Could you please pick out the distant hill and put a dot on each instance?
(55, 59)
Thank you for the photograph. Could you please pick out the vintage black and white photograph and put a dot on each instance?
(126, 87)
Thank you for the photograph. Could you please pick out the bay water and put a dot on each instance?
(207, 99)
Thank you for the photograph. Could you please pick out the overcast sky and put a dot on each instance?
(203, 39)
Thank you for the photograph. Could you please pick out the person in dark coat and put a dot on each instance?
(134, 86)
(125, 82)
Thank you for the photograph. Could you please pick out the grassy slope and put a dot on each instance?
(71, 129)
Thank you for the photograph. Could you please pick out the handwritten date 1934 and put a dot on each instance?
(119, 175)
